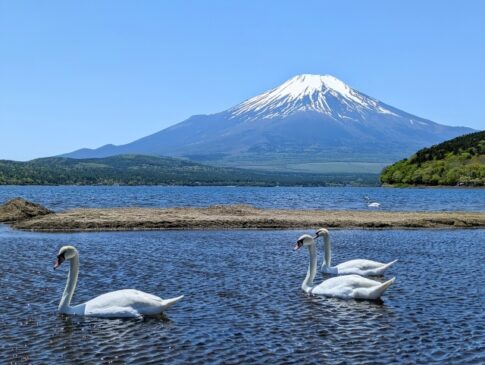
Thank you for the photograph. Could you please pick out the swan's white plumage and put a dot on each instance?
(116, 304)
(370, 203)
(343, 287)
(126, 303)
(351, 287)
(357, 266)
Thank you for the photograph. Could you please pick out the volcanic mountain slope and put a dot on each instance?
(309, 119)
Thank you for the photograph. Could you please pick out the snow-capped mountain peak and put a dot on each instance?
(318, 93)
(304, 121)
(307, 84)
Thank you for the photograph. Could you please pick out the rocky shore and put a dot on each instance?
(21, 214)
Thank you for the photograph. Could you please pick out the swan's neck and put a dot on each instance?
(307, 284)
(65, 303)
(327, 247)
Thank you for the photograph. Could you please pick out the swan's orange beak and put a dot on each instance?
(60, 259)
(298, 245)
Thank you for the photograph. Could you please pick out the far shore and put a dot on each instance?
(24, 215)
(407, 186)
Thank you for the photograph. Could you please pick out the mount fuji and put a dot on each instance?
(308, 123)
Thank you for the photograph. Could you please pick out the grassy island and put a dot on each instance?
(25, 215)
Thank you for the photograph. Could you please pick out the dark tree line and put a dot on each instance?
(150, 170)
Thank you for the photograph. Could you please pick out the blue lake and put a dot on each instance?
(243, 302)
(63, 197)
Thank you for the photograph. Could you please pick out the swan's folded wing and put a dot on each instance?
(339, 286)
(351, 286)
(113, 312)
(359, 264)
(124, 303)
(373, 292)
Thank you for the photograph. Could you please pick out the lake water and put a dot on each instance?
(341, 198)
(243, 302)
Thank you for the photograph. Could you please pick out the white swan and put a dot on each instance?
(116, 304)
(358, 266)
(371, 204)
(343, 287)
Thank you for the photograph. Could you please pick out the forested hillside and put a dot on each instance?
(150, 170)
(459, 161)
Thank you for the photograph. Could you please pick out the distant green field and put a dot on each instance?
(304, 163)
(329, 167)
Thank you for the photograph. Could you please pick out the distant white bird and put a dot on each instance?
(358, 266)
(115, 304)
(370, 203)
(343, 287)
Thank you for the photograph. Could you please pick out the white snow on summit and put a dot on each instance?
(318, 93)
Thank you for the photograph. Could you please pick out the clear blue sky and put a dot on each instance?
(85, 73)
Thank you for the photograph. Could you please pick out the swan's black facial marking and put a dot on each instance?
(298, 245)
(60, 259)
(319, 233)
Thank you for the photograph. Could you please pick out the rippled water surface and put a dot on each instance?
(243, 300)
(63, 197)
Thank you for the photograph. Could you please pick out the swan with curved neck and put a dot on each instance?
(370, 203)
(116, 304)
(343, 287)
(358, 266)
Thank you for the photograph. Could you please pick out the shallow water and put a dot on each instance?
(341, 198)
(243, 303)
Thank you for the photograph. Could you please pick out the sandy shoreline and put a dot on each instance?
(229, 217)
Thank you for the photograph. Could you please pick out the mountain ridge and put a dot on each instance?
(307, 119)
